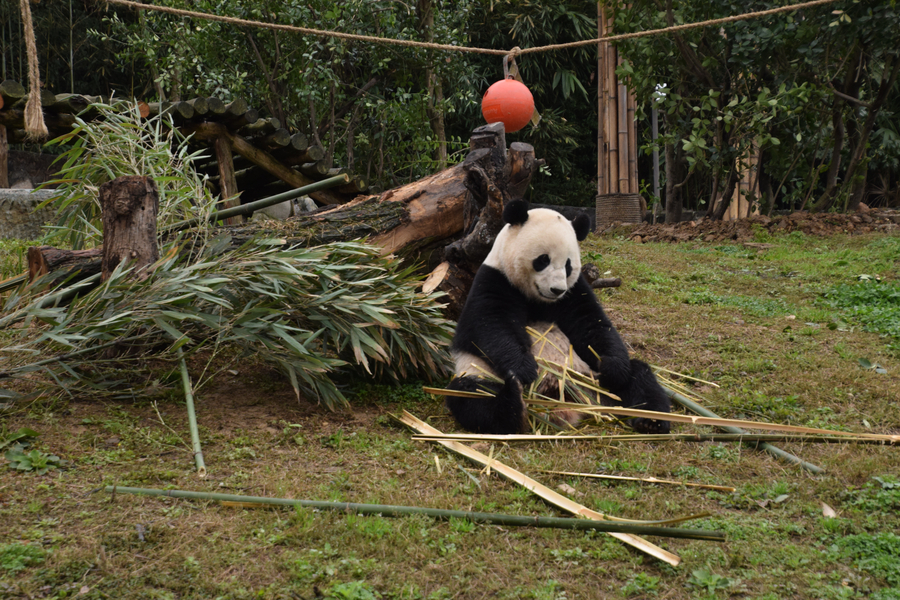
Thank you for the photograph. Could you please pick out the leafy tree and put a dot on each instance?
(366, 103)
(762, 83)
(563, 84)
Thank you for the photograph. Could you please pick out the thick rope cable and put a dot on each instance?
(452, 48)
(35, 129)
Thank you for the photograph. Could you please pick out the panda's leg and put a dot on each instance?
(504, 413)
(645, 393)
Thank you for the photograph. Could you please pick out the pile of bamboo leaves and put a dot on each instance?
(310, 311)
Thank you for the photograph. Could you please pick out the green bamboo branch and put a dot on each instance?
(192, 416)
(773, 450)
(65, 357)
(12, 282)
(387, 510)
(246, 209)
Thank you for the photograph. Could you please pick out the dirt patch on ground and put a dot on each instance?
(746, 230)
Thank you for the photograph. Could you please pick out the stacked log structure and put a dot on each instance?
(253, 157)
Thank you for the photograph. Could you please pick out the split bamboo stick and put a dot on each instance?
(544, 492)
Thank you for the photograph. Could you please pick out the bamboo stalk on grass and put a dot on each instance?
(192, 415)
(750, 438)
(728, 424)
(706, 486)
(773, 450)
(388, 510)
(543, 491)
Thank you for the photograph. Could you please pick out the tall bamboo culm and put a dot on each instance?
(617, 142)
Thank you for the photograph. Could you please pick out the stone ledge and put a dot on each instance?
(18, 217)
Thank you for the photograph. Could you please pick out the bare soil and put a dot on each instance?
(746, 230)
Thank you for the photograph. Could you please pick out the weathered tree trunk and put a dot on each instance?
(77, 264)
(130, 206)
(4, 157)
(433, 108)
(673, 193)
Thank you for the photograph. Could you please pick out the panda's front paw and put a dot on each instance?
(649, 425)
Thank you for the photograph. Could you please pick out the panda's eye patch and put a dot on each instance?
(541, 262)
(568, 267)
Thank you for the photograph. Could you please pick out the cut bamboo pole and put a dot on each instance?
(632, 144)
(624, 151)
(544, 492)
(260, 204)
(611, 108)
(192, 416)
(715, 421)
(773, 450)
(749, 438)
(389, 510)
(602, 49)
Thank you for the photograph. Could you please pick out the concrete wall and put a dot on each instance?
(18, 217)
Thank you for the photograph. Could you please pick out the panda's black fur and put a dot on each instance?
(492, 327)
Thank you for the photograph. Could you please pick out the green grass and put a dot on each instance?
(14, 257)
(765, 324)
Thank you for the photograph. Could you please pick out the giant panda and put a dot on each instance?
(532, 278)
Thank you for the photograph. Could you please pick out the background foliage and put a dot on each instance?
(814, 90)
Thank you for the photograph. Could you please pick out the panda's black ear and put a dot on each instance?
(516, 212)
(582, 225)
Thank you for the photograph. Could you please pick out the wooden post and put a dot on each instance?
(632, 144)
(130, 205)
(522, 165)
(228, 189)
(612, 110)
(602, 49)
(4, 157)
(623, 138)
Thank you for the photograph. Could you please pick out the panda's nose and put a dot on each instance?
(558, 291)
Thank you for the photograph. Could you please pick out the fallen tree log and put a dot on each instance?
(77, 264)
(462, 203)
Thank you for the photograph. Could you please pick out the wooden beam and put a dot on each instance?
(228, 189)
(262, 159)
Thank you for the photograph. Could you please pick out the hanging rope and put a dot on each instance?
(451, 48)
(35, 129)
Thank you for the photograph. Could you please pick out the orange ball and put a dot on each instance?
(508, 101)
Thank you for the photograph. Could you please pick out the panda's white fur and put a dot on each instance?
(546, 232)
(531, 281)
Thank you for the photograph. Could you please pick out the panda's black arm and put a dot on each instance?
(581, 318)
(492, 325)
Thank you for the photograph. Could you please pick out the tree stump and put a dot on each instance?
(130, 205)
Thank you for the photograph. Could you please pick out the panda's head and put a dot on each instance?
(538, 251)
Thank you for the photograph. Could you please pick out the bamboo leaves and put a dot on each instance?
(310, 311)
